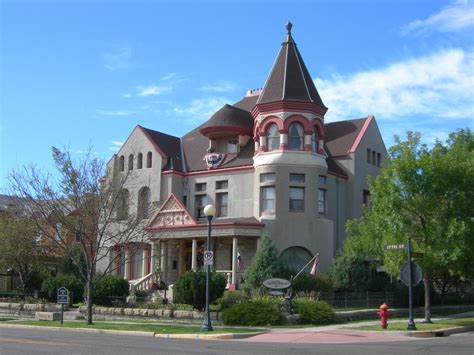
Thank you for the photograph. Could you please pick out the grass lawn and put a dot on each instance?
(440, 324)
(155, 328)
(4, 319)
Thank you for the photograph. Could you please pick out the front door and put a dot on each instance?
(188, 254)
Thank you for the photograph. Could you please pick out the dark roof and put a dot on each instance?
(289, 78)
(334, 167)
(229, 119)
(247, 103)
(194, 147)
(340, 136)
(169, 145)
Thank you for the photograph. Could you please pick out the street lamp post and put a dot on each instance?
(209, 211)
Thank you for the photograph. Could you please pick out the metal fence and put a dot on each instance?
(349, 300)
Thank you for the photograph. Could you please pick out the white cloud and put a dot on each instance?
(220, 86)
(200, 109)
(440, 85)
(457, 16)
(117, 57)
(116, 145)
(152, 90)
(174, 77)
(114, 113)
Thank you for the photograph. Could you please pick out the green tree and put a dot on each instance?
(425, 194)
(79, 212)
(264, 265)
(21, 246)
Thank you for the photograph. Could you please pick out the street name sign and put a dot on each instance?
(395, 246)
(63, 295)
(405, 273)
(208, 258)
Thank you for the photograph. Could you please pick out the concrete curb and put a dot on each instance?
(77, 330)
(210, 336)
(218, 336)
(439, 332)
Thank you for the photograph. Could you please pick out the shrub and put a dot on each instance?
(313, 312)
(264, 265)
(309, 283)
(106, 288)
(190, 288)
(71, 282)
(229, 298)
(258, 312)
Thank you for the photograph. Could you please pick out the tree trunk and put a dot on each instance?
(88, 299)
(427, 283)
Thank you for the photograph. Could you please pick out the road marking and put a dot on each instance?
(34, 342)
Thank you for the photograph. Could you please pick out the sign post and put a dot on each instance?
(63, 298)
(411, 322)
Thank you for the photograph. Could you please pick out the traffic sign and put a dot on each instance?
(405, 273)
(395, 246)
(63, 295)
(208, 258)
(417, 255)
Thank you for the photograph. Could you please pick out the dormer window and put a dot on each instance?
(273, 137)
(295, 137)
(233, 146)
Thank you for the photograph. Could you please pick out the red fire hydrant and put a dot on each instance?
(383, 314)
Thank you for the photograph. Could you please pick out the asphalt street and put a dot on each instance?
(47, 341)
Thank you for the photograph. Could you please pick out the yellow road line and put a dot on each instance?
(34, 342)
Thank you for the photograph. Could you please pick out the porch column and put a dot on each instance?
(128, 264)
(194, 255)
(152, 259)
(163, 261)
(234, 263)
(144, 261)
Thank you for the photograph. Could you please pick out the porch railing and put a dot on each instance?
(142, 284)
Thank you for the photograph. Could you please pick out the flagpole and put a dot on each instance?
(304, 267)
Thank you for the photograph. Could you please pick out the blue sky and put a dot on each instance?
(81, 73)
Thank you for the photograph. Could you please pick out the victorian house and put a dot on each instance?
(270, 165)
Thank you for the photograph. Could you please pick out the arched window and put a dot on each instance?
(144, 203)
(314, 140)
(123, 204)
(140, 161)
(295, 258)
(148, 160)
(295, 137)
(273, 137)
(122, 163)
(130, 162)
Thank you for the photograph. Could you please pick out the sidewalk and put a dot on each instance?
(335, 333)
(342, 333)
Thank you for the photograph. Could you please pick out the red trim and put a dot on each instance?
(155, 215)
(268, 121)
(367, 122)
(225, 129)
(220, 170)
(279, 106)
(173, 172)
(298, 119)
(204, 226)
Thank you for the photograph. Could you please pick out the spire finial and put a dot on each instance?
(288, 26)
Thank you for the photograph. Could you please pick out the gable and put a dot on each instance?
(171, 214)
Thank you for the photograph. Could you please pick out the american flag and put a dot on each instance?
(315, 265)
(240, 263)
